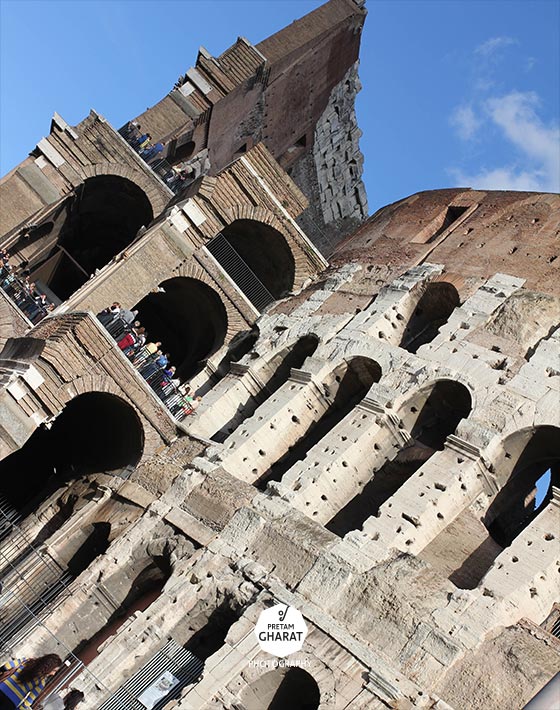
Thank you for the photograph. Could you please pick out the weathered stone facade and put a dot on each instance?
(367, 447)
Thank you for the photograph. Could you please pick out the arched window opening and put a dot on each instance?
(189, 319)
(282, 688)
(96, 543)
(433, 309)
(182, 152)
(350, 383)
(255, 255)
(82, 234)
(431, 423)
(95, 432)
(527, 460)
(142, 590)
(279, 371)
(514, 507)
(240, 345)
(211, 637)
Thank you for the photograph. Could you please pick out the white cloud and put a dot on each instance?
(493, 45)
(465, 121)
(506, 178)
(536, 165)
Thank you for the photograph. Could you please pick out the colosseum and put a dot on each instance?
(228, 395)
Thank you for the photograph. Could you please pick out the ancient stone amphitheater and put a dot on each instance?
(380, 397)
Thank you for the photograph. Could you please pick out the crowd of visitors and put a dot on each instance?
(149, 358)
(174, 176)
(24, 684)
(23, 292)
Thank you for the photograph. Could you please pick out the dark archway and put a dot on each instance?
(95, 432)
(264, 250)
(182, 152)
(239, 346)
(431, 423)
(188, 317)
(142, 591)
(435, 305)
(281, 689)
(527, 456)
(350, 384)
(82, 234)
(514, 507)
(279, 367)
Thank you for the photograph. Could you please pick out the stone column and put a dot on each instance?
(524, 577)
(338, 467)
(431, 498)
(225, 403)
(276, 425)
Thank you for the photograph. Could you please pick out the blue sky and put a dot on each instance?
(455, 92)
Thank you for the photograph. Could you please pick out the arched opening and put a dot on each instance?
(239, 346)
(182, 152)
(349, 383)
(531, 458)
(435, 305)
(255, 255)
(515, 506)
(82, 234)
(139, 593)
(282, 688)
(95, 432)
(278, 371)
(188, 317)
(35, 585)
(431, 416)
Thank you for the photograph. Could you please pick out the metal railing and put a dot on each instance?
(176, 181)
(239, 271)
(145, 362)
(29, 583)
(19, 293)
(182, 664)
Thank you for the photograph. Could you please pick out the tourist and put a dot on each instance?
(128, 316)
(142, 142)
(152, 348)
(108, 315)
(55, 702)
(23, 680)
(151, 152)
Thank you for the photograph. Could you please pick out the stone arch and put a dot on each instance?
(155, 194)
(450, 397)
(524, 457)
(430, 306)
(272, 374)
(235, 320)
(93, 433)
(188, 317)
(324, 676)
(291, 687)
(304, 264)
(83, 232)
(86, 385)
(519, 460)
(344, 388)
(430, 415)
